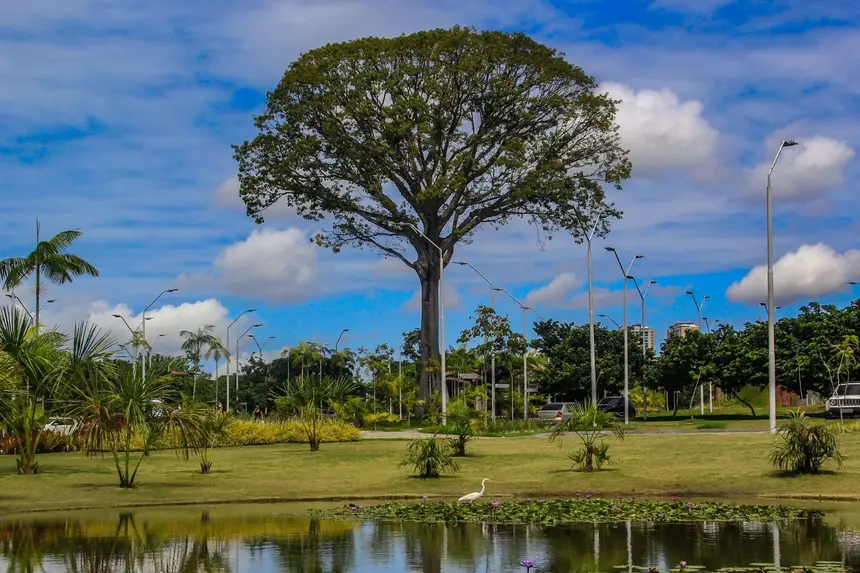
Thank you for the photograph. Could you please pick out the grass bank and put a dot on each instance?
(688, 465)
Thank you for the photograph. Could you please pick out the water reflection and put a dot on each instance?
(232, 541)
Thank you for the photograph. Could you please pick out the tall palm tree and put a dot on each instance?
(217, 351)
(48, 260)
(194, 345)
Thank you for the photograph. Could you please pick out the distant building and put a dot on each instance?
(681, 329)
(649, 333)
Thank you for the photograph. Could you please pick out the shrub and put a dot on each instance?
(429, 457)
(248, 433)
(465, 423)
(589, 423)
(803, 447)
(382, 419)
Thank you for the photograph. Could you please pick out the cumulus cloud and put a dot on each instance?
(167, 320)
(807, 273)
(276, 265)
(660, 130)
(555, 292)
(807, 171)
(453, 301)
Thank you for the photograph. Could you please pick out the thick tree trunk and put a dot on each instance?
(428, 273)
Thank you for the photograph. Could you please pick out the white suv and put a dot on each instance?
(847, 399)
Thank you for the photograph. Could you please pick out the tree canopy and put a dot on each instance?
(444, 131)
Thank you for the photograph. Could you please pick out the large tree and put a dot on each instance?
(445, 131)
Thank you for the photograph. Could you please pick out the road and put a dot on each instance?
(412, 434)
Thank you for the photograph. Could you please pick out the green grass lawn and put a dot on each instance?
(701, 465)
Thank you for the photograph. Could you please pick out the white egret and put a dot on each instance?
(470, 497)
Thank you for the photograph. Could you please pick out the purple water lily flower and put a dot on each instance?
(588, 496)
(689, 506)
(495, 504)
(424, 499)
(360, 507)
(683, 565)
(528, 564)
(543, 501)
(353, 508)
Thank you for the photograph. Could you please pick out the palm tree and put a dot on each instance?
(113, 411)
(35, 363)
(303, 398)
(194, 345)
(50, 260)
(217, 351)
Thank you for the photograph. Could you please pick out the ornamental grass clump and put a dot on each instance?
(802, 447)
(589, 423)
(430, 457)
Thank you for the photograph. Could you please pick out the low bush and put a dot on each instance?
(430, 457)
(803, 446)
(248, 433)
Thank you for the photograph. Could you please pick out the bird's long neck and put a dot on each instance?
(483, 487)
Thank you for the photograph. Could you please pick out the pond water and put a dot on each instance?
(268, 539)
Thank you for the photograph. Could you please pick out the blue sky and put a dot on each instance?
(118, 119)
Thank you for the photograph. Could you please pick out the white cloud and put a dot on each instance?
(660, 130)
(279, 266)
(226, 196)
(807, 171)
(555, 292)
(453, 301)
(809, 272)
(167, 319)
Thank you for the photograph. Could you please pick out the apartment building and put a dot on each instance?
(649, 333)
(681, 328)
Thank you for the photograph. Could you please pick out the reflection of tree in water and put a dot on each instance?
(317, 551)
(26, 545)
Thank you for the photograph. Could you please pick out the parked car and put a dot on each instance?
(847, 399)
(62, 426)
(555, 412)
(328, 413)
(615, 404)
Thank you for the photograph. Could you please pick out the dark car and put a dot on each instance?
(615, 404)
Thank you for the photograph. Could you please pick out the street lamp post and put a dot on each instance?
(525, 350)
(260, 347)
(492, 350)
(441, 310)
(243, 313)
(610, 319)
(253, 326)
(337, 342)
(150, 354)
(136, 353)
(588, 232)
(143, 322)
(771, 306)
(710, 383)
(14, 297)
(626, 274)
(699, 307)
(643, 332)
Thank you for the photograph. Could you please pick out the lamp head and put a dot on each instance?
(652, 282)
(117, 315)
(172, 290)
(639, 257)
(631, 277)
(789, 143)
(257, 326)
(51, 300)
(764, 304)
(251, 310)
(9, 296)
(271, 337)
(706, 296)
(610, 249)
(689, 292)
(461, 263)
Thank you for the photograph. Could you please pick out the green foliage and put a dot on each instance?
(49, 260)
(214, 427)
(464, 422)
(803, 447)
(114, 412)
(589, 423)
(567, 511)
(430, 457)
(303, 399)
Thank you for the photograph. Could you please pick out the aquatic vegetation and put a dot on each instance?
(563, 511)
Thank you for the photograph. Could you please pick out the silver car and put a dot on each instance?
(846, 399)
(555, 412)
